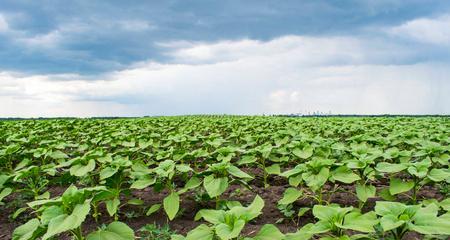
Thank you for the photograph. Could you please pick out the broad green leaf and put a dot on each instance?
(80, 170)
(225, 231)
(66, 222)
(360, 222)
(254, 209)
(439, 175)
(50, 213)
(5, 192)
(364, 192)
(246, 159)
(295, 180)
(177, 237)
(3, 179)
(171, 205)
(135, 201)
(302, 211)
(327, 213)
(210, 215)
(233, 170)
(304, 153)
(107, 172)
(273, 169)
(26, 231)
(345, 175)
(192, 183)
(290, 196)
(153, 209)
(202, 232)
(386, 195)
(112, 206)
(18, 212)
(389, 208)
(128, 144)
(304, 233)
(397, 186)
(389, 222)
(298, 169)
(183, 168)
(390, 167)
(316, 181)
(58, 155)
(143, 182)
(215, 186)
(268, 232)
(114, 231)
(445, 204)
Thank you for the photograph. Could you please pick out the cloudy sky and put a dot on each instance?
(117, 58)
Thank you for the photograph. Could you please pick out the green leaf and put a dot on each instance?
(128, 144)
(143, 182)
(58, 155)
(50, 213)
(211, 216)
(304, 153)
(389, 222)
(225, 231)
(439, 175)
(360, 222)
(364, 192)
(154, 208)
(107, 172)
(80, 170)
(66, 222)
(397, 186)
(112, 206)
(246, 159)
(215, 186)
(202, 232)
(290, 196)
(171, 205)
(192, 183)
(383, 208)
(269, 232)
(26, 231)
(254, 209)
(390, 167)
(135, 201)
(302, 211)
(3, 179)
(273, 169)
(18, 212)
(316, 181)
(445, 204)
(177, 237)
(327, 213)
(5, 192)
(233, 170)
(114, 231)
(345, 175)
(386, 195)
(295, 180)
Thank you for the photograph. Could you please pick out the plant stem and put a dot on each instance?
(414, 197)
(78, 234)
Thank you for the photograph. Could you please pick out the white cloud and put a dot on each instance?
(428, 30)
(4, 26)
(47, 40)
(285, 75)
(135, 25)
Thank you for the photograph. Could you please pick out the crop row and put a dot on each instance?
(100, 162)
